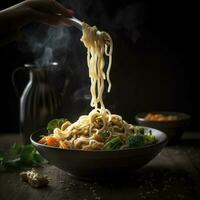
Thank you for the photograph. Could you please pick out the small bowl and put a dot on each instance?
(174, 128)
(100, 164)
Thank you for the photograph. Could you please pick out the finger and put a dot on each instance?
(48, 19)
(50, 6)
(61, 9)
(56, 7)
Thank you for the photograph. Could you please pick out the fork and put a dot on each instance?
(76, 23)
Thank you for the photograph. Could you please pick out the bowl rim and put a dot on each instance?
(181, 116)
(162, 142)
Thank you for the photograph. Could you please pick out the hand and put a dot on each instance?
(44, 11)
(14, 18)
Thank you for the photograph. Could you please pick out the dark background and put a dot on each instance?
(153, 60)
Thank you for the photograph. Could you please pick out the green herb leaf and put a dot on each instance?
(19, 157)
(16, 149)
(27, 154)
(10, 165)
(55, 123)
(38, 159)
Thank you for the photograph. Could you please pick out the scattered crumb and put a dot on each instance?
(33, 178)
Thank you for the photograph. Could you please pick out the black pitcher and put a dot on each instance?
(39, 102)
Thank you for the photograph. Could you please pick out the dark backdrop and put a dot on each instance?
(153, 64)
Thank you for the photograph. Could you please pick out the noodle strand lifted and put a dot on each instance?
(99, 129)
(98, 44)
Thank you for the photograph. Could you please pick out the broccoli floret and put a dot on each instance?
(114, 143)
(138, 139)
(135, 140)
(149, 139)
(139, 130)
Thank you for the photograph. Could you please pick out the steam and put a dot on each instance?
(46, 58)
(62, 44)
(55, 43)
(126, 18)
(49, 46)
(83, 92)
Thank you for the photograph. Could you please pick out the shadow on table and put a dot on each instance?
(190, 142)
(154, 182)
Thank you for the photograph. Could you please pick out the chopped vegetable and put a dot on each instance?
(150, 138)
(52, 141)
(114, 143)
(121, 139)
(104, 134)
(43, 140)
(135, 140)
(55, 123)
(20, 156)
(140, 139)
(139, 130)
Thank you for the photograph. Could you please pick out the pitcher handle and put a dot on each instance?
(67, 75)
(64, 87)
(14, 80)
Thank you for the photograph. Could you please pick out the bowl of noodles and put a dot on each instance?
(99, 144)
(113, 149)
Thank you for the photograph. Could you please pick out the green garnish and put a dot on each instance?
(149, 138)
(140, 139)
(135, 140)
(114, 143)
(55, 123)
(19, 157)
(104, 134)
(139, 130)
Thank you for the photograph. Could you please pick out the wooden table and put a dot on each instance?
(173, 175)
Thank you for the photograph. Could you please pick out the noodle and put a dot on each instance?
(92, 131)
(97, 44)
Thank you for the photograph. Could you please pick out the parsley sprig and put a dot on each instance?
(19, 157)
